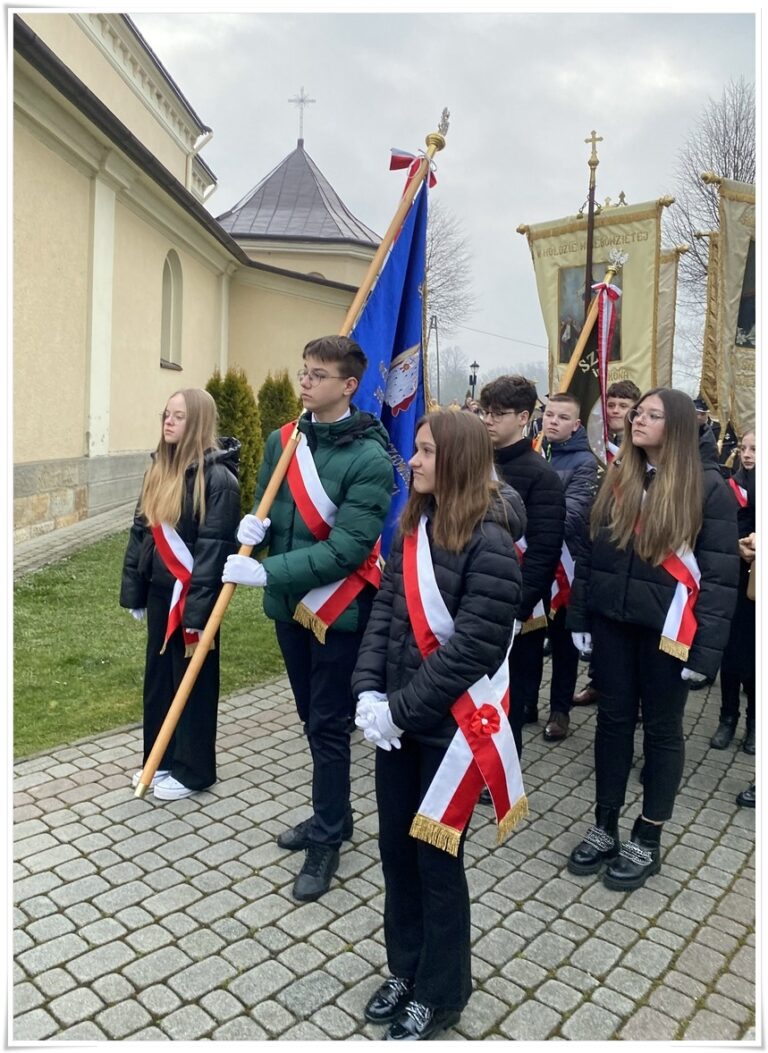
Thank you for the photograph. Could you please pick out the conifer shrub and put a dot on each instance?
(239, 417)
(278, 402)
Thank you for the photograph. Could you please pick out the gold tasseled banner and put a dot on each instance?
(435, 833)
(189, 648)
(540, 622)
(673, 647)
(518, 811)
(304, 616)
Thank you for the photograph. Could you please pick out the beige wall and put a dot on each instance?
(75, 48)
(140, 386)
(334, 266)
(51, 236)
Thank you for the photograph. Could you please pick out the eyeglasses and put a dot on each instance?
(637, 413)
(177, 417)
(491, 415)
(315, 377)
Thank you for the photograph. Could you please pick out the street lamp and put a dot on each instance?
(474, 366)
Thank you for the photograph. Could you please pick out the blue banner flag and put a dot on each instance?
(389, 330)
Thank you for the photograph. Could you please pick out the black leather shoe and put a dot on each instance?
(296, 838)
(485, 796)
(699, 685)
(530, 715)
(557, 726)
(638, 859)
(726, 729)
(314, 878)
(417, 1022)
(600, 844)
(389, 1001)
(586, 697)
(748, 745)
(747, 798)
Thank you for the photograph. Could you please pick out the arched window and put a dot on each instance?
(170, 326)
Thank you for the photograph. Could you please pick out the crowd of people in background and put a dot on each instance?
(515, 539)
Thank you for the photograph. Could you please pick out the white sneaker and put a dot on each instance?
(170, 789)
(155, 778)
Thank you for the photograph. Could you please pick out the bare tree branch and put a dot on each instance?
(449, 269)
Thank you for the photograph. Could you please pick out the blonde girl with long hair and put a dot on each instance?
(652, 600)
(463, 526)
(183, 530)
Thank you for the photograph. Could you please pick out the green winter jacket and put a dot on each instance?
(356, 472)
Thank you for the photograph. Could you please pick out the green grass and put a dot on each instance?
(79, 657)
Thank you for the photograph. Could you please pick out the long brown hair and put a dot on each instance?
(464, 488)
(671, 514)
(162, 495)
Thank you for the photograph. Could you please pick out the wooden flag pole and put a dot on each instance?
(435, 141)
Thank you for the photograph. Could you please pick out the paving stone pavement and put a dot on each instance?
(33, 555)
(147, 920)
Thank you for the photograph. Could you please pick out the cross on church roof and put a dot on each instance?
(301, 100)
(594, 139)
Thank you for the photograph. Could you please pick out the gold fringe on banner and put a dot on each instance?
(189, 649)
(304, 616)
(673, 647)
(540, 622)
(436, 833)
(518, 811)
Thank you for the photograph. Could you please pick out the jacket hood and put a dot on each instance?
(514, 510)
(707, 444)
(359, 425)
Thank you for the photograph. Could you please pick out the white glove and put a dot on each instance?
(582, 642)
(242, 570)
(252, 530)
(692, 675)
(364, 709)
(381, 730)
(139, 613)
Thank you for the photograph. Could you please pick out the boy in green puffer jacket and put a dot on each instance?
(320, 578)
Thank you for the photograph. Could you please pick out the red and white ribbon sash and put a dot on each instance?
(562, 582)
(178, 562)
(680, 623)
(607, 295)
(403, 159)
(538, 616)
(611, 450)
(482, 752)
(321, 606)
(739, 493)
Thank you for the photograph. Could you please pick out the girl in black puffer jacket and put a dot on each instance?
(184, 529)
(454, 561)
(654, 592)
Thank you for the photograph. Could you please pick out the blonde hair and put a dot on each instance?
(464, 488)
(162, 495)
(671, 513)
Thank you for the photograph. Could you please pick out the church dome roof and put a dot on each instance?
(295, 202)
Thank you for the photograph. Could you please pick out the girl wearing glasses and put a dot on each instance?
(183, 530)
(652, 599)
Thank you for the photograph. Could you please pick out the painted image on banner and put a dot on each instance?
(745, 326)
(570, 306)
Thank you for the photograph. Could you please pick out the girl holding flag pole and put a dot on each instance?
(652, 600)
(432, 682)
(183, 530)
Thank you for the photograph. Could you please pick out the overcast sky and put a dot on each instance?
(524, 90)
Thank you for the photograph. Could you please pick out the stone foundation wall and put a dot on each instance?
(52, 494)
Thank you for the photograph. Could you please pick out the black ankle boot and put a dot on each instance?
(748, 745)
(600, 844)
(726, 729)
(638, 858)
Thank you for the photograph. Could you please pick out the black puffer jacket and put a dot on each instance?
(209, 543)
(542, 492)
(481, 589)
(620, 585)
(577, 466)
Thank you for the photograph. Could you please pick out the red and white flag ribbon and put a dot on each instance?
(538, 618)
(606, 327)
(562, 582)
(482, 752)
(680, 623)
(402, 159)
(739, 493)
(178, 562)
(320, 608)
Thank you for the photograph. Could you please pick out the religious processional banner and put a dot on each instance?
(711, 351)
(736, 305)
(559, 252)
(665, 328)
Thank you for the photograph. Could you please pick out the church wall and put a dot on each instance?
(75, 48)
(334, 267)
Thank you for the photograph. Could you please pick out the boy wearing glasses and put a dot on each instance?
(320, 578)
(508, 403)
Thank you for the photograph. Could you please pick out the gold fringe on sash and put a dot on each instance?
(189, 648)
(674, 647)
(539, 622)
(518, 811)
(304, 616)
(436, 833)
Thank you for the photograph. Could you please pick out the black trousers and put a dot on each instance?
(738, 665)
(191, 753)
(320, 676)
(631, 670)
(426, 897)
(526, 667)
(565, 664)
